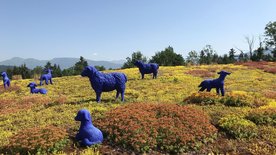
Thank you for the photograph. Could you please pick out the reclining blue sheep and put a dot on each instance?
(88, 134)
(102, 82)
(6, 80)
(215, 83)
(147, 68)
(34, 90)
(46, 77)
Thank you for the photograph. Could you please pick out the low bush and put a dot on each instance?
(265, 116)
(200, 73)
(238, 127)
(161, 127)
(49, 139)
(204, 98)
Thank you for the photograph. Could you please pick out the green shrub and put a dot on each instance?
(265, 116)
(238, 127)
(49, 139)
(162, 127)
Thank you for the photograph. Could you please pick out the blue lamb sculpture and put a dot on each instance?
(147, 68)
(46, 77)
(6, 80)
(34, 90)
(215, 83)
(102, 82)
(88, 134)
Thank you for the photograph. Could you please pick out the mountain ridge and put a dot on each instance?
(63, 62)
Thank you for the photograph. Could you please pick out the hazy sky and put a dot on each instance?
(113, 29)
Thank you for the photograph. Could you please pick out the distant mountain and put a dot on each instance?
(62, 62)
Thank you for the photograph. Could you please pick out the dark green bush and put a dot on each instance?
(265, 116)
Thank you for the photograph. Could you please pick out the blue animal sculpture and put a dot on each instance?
(215, 83)
(6, 80)
(34, 90)
(147, 68)
(47, 77)
(102, 82)
(88, 134)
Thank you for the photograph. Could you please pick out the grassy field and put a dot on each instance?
(245, 118)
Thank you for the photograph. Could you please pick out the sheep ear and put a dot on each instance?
(87, 116)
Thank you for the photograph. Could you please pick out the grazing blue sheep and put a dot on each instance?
(46, 77)
(147, 68)
(32, 86)
(6, 80)
(215, 83)
(88, 134)
(102, 82)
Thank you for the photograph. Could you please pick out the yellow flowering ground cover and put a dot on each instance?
(247, 89)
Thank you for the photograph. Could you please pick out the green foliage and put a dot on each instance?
(167, 127)
(204, 98)
(266, 116)
(168, 58)
(100, 68)
(79, 66)
(192, 58)
(270, 32)
(134, 57)
(238, 127)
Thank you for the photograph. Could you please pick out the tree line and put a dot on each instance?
(208, 55)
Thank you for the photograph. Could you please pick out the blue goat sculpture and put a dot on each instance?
(88, 134)
(6, 80)
(34, 90)
(46, 77)
(102, 82)
(215, 83)
(147, 68)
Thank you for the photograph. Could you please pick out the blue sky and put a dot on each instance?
(113, 29)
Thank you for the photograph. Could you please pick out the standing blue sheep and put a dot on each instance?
(215, 83)
(88, 134)
(32, 86)
(6, 80)
(102, 82)
(147, 68)
(46, 77)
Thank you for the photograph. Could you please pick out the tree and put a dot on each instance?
(25, 72)
(270, 33)
(79, 66)
(134, 57)
(168, 58)
(56, 71)
(250, 42)
(232, 55)
(48, 65)
(192, 58)
(100, 68)
(206, 55)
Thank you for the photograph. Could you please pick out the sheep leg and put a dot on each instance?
(123, 96)
(98, 96)
(222, 91)
(142, 76)
(41, 82)
(117, 94)
(209, 89)
(51, 81)
(46, 81)
(8, 83)
(217, 89)
(202, 88)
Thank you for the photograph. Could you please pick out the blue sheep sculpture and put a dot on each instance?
(215, 83)
(147, 68)
(34, 90)
(88, 134)
(102, 82)
(47, 77)
(6, 80)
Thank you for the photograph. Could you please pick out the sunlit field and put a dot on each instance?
(242, 122)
